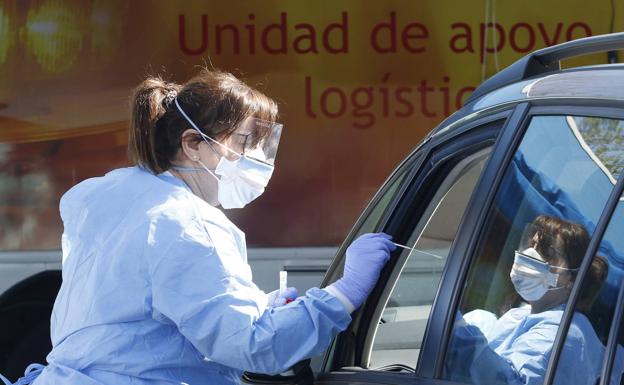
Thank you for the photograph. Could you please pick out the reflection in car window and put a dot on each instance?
(556, 186)
(597, 302)
(399, 334)
(605, 139)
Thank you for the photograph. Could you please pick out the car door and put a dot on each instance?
(424, 213)
(457, 203)
(549, 159)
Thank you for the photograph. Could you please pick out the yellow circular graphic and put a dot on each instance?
(54, 35)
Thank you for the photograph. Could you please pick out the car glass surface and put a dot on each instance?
(564, 169)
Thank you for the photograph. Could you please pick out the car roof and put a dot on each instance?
(601, 82)
(596, 82)
(538, 75)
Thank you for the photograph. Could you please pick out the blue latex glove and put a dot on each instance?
(366, 256)
(275, 299)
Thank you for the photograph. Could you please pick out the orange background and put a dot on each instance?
(68, 68)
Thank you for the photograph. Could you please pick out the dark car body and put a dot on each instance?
(533, 140)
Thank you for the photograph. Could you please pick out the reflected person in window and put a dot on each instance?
(516, 348)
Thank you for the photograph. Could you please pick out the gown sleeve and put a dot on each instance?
(201, 283)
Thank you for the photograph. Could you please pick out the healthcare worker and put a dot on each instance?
(516, 348)
(156, 286)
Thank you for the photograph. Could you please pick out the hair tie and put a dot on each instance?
(169, 97)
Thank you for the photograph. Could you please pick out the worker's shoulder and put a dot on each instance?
(121, 180)
(137, 195)
(86, 196)
(125, 192)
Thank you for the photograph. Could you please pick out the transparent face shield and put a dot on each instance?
(535, 252)
(255, 139)
(548, 247)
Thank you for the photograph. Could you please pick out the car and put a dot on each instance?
(532, 140)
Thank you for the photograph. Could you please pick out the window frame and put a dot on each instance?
(462, 252)
(340, 346)
(402, 260)
(429, 155)
(437, 333)
(475, 137)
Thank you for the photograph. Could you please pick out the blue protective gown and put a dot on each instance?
(156, 290)
(516, 348)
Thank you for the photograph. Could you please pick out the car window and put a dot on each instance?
(398, 336)
(589, 328)
(531, 245)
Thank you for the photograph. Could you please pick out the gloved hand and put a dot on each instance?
(366, 256)
(275, 299)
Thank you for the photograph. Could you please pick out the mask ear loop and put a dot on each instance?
(204, 136)
(203, 166)
(207, 169)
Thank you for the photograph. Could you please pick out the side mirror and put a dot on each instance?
(299, 374)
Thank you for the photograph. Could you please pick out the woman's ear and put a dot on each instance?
(190, 145)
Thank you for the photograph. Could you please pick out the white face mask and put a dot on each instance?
(240, 181)
(532, 277)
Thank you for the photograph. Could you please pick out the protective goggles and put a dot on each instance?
(256, 138)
